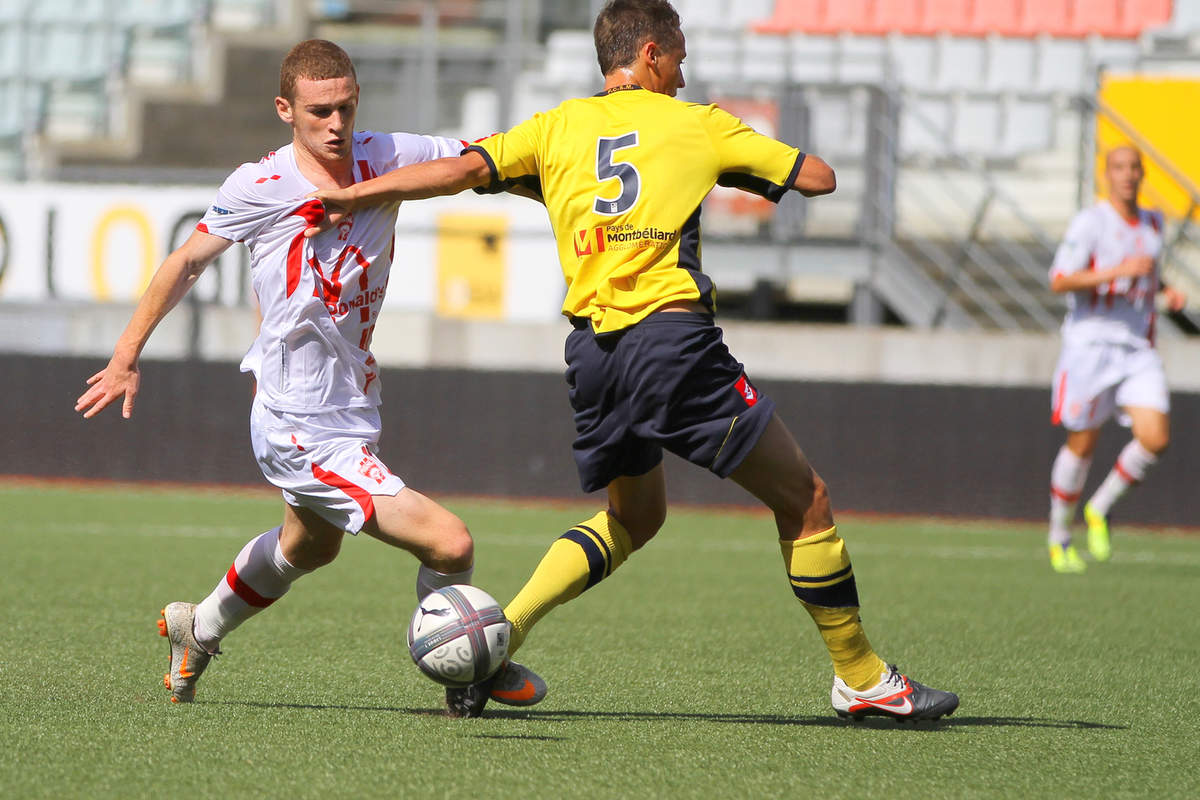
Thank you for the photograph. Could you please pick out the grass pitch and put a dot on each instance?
(693, 672)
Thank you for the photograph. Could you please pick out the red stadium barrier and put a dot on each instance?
(1066, 18)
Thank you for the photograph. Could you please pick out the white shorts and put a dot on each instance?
(324, 462)
(1095, 379)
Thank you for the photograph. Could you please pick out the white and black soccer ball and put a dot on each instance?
(458, 635)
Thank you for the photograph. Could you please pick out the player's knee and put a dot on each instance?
(1155, 441)
(643, 525)
(648, 527)
(455, 549)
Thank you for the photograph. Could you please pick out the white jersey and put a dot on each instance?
(319, 297)
(1120, 311)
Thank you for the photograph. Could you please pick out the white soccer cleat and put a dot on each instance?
(188, 658)
(894, 696)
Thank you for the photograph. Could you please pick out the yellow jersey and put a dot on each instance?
(623, 174)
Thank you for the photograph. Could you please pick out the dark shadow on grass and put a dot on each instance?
(417, 712)
(870, 723)
(517, 736)
(567, 715)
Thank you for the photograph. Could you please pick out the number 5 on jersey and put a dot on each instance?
(626, 173)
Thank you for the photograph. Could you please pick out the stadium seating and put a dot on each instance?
(1116, 18)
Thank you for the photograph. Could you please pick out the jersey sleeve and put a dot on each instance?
(1077, 247)
(237, 213)
(513, 157)
(749, 160)
(412, 148)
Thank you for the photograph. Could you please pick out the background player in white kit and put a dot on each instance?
(315, 421)
(1108, 266)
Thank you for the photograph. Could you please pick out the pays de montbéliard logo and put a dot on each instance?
(602, 238)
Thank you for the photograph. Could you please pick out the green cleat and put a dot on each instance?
(1098, 539)
(1066, 560)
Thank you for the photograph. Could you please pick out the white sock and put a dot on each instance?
(260, 575)
(1130, 468)
(430, 579)
(1067, 477)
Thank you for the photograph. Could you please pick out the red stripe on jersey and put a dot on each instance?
(355, 492)
(200, 226)
(1095, 290)
(311, 212)
(243, 590)
(364, 170)
(1056, 414)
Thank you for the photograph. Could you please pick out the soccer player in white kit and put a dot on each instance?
(315, 419)
(1108, 267)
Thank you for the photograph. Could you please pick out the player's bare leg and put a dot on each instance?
(639, 502)
(777, 472)
(592, 550)
(1067, 476)
(577, 560)
(1151, 435)
(437, 537)
(307, 540)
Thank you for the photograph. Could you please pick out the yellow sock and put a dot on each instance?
(823, 580)
(578, 560)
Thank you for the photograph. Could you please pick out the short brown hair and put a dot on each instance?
(316, 60)
(623, 26)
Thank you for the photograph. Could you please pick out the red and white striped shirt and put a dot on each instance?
(1120, 311)
(319, 297)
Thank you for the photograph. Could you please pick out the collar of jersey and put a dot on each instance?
(625, 87)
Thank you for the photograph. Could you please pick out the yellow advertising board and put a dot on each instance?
(1165, 112)
(472, 261)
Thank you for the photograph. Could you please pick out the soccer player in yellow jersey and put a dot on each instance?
(622, 175)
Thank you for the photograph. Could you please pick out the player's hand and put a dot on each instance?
(1134, 267)
(1176, 299)
(338, 205)
(118, 379)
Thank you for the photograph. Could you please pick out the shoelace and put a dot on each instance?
(894, 677)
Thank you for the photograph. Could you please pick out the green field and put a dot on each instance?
(693, 672)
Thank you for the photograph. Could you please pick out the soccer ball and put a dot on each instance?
(458, 635)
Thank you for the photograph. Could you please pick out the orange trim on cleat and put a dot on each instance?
(526, 692)
(183, 670)
(167, 680)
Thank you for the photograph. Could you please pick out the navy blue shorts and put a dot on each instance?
(667, 382)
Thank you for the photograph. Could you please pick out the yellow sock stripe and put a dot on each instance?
(604, 548)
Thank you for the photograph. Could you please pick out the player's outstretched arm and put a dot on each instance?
(170, 283)
(1132, 267)
(442, 176)
(815, 177)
